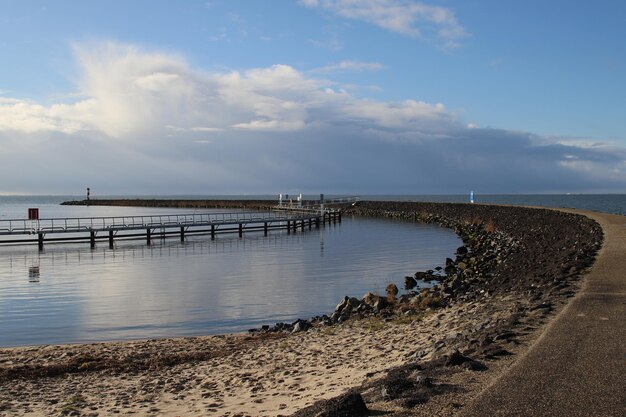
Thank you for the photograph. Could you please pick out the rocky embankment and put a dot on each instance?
(525, 259)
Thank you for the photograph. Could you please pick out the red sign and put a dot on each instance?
(33, 214)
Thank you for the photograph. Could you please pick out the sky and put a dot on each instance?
(312, 96)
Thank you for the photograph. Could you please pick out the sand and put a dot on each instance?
(249, 375)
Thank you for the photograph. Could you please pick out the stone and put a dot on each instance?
(300, 326)
(342, 304)
(369, 299)
(409, 283)
(380, 303)
(353, 303)
(392, 289)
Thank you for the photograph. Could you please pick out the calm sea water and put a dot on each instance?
(70, 293)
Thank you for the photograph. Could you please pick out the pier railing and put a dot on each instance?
(316, 205)
(70, 225)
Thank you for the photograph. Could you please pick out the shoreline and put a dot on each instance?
(487, 309)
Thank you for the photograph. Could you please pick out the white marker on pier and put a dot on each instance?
(472, 197)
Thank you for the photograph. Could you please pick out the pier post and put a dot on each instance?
(302, 225)
(288, 227)
(212, 232)
(182, 234)
(310, 223)
(265, 229)
(110, 239)
(335, 218)
(317, 222)
(240, 229)
(40, 241)
(148, 236)
(339, 214)
(92, 239)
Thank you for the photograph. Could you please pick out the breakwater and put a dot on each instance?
(508, 248)
(519, 263)
(174, 203)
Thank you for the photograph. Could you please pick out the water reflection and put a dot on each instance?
(33, 273)
(75, 294)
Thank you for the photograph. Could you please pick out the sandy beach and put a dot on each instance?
(412, 358)
(267, 375)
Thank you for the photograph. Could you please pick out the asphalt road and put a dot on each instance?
(577, 367)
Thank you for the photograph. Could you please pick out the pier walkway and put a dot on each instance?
(152, 226)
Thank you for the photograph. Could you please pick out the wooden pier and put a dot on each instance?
(150, 227)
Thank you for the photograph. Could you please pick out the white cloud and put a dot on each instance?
(128, 93)
(24, 116)
(406, 17)
(270, 129)
(347, 66)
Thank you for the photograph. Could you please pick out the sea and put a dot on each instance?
(72, 293)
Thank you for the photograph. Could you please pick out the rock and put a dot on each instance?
(462, 266)
(369, 299)
(381, 303)
(300, 326)
(353, 303)
(409, 283)
(462, 250)
(455, 359)
(350, 404)
(342, 304)
(392, 289)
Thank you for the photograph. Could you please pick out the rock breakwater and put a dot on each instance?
(523, 259)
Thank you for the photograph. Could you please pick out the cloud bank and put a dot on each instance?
(146, 122)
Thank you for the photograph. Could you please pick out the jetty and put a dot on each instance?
(285, 215)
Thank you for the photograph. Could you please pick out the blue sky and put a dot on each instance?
(227, 96)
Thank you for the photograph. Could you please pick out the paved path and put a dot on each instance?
(578, 365)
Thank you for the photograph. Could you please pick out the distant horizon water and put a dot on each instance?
(611, 203)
